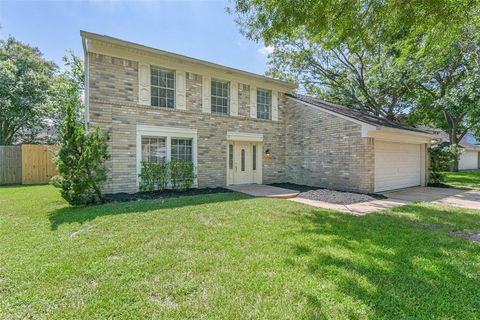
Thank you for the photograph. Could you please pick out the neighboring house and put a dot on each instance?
(470, 158)
(237, 127)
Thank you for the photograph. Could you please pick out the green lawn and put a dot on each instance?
(463, 179)
(229, 256)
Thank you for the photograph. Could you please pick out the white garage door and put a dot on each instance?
(397, 165)
(468, 160)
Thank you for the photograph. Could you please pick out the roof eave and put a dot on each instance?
(95, 36)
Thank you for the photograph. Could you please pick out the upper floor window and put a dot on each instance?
(264, 103)
(162, 88)
(220, 97)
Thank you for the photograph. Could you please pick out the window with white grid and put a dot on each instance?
(181, 149)
(264, 103)
(220, 97)
(162, 88)
(154, 149)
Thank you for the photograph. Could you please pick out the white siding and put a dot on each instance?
(468, 160)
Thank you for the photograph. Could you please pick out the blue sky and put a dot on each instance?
(200, 29)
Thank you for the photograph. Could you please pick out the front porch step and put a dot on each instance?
(261, 190)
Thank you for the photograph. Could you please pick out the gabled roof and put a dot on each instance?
(104, 38)
(468, 141)
(354, 114)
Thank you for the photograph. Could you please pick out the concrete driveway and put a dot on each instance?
(461, 198)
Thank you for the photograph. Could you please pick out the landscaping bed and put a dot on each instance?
(167, 193)
(329, 195)
(337, 197)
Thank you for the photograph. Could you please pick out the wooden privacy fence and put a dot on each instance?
(27, 164)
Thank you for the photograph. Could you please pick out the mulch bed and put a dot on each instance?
(439, 185)
(151, 195)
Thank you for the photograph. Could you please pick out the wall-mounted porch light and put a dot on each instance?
(266, 154)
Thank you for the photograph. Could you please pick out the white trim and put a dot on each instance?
(244, 136)
(274, 105)
(206, 97)
(144, 87)
(398, 136)
(86, 93)
(423, 165)
(257, 174)
(253, 102)
(365, 126)
(168, 133)
(428, 136)
(132, 51)
(234, 98)
(180, 89)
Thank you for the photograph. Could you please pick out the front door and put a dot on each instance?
(242, 164)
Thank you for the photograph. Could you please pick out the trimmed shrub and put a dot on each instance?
(154, 176)
(179, 175)
(182, 174)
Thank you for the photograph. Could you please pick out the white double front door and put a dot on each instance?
(244, 162)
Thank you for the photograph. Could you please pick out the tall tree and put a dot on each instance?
(449, 95)
(360, 53)
(370, 80)
(66, 89)
(25, 78)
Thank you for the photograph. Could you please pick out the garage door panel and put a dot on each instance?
(397, 165)
(468, 160)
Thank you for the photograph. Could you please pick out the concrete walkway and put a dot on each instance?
(358, 209)
(261, 190)
(461, 198)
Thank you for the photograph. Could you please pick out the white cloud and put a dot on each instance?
(266, 50)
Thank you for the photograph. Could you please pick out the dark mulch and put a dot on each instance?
(304, 188)
(293, 186)
(150, 195)
(439, 185)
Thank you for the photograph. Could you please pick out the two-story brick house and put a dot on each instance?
(237, 127)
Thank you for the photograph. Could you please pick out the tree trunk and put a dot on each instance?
(454, 142)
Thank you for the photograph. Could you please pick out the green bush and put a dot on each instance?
(440, 161)
(157, 176)
(154, 176)
(81, 161)
(182, 174)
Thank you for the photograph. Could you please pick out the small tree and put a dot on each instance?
(81, 161)
(441, 159)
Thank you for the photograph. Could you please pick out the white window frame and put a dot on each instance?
(269, 107)
(168, 133)
(166, 88)
(228, 83)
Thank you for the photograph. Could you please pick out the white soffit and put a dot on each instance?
(244, 136)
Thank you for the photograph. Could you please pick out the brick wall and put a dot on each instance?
(327, 151)
(307, 146)
(243, 100)
(120, 116)
(193, 92)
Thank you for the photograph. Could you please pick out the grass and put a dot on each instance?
(229, 256)
(464, 179)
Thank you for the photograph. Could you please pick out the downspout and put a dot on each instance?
(86, 84)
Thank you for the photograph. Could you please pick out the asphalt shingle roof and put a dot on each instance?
(354, 114)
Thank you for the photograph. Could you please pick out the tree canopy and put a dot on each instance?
(25, 78)
(390, 58)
